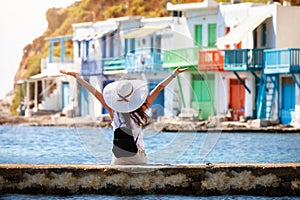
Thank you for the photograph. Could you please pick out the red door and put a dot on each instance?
(237, 99)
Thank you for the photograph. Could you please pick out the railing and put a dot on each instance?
(211, 60)
(52, 68)
(282, 61)
(144, 62)
(48, 90)
(244, 59)
(92, 67)
(60, 59)
(116, 63)
(181, 57)
(99, 66)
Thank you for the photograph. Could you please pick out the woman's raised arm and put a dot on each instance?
(154, 93)
(91, 89)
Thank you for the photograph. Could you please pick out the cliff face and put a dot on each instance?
(55, 18)
(60, 22)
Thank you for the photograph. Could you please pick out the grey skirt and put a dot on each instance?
(139, 159)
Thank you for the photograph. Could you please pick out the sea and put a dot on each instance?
(77, 145)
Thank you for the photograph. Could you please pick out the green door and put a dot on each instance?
(212, 35)
(203, 94)
(198, 35)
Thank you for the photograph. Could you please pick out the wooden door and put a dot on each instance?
(288, 99)
(237, 99)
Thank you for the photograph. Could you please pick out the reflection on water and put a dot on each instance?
(61, 145)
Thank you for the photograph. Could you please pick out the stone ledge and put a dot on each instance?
(281, 179)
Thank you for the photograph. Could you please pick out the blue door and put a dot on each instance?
(105, 83)
(84, 101)
(157, 107)
(65, 94)
(288, 99)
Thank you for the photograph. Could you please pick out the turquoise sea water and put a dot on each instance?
(61, 145)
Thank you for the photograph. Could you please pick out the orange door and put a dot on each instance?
(237, 99)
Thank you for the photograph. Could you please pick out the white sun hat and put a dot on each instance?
(126, 95)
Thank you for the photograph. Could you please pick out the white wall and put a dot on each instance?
(288, 27)
(222, 91)
(95, 105)
(173, 100)
(178, 37)
(201, 17)
(231, 15)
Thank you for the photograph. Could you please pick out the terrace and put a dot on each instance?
(211, 60)
(279, 61)
(187, 57)
(244, 59)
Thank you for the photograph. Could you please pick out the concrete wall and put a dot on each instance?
(288, 27)
(199, 180)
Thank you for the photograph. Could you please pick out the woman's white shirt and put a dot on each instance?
(137, 130)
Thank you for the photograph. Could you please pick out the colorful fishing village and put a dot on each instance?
(243, 77)
(243, 64)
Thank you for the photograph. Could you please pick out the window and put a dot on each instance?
(212, 35)
(264, 34)
(227, 30)
(255, 38)
(79, 49)
(87, 46)
(198, 35)
(129, 46)
(111, 45)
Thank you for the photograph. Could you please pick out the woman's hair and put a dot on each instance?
(139, 116)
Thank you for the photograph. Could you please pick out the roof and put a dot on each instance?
(192, 6)
(42, 77)
(94, 35)
(243, 29)
(144, 31)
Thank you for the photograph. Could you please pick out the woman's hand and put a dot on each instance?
(74, 74)
(178, 70)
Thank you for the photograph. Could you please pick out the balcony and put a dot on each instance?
(279, 61)
(187, 57)
(144, 62)
(99, 66)
(211, 60)
(116, 63)
(52, 68)
(91, 67)
(244, 59)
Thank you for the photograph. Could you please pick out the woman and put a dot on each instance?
(126, 102)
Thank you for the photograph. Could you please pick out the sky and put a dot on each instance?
(21, 21)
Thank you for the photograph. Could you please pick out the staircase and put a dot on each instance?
(52, 102)
(265, 98)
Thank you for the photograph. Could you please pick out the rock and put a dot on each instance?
(258, 123)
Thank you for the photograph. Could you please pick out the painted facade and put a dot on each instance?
(243, 60)
(248, 55)
(197, 22)
(131, 50)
